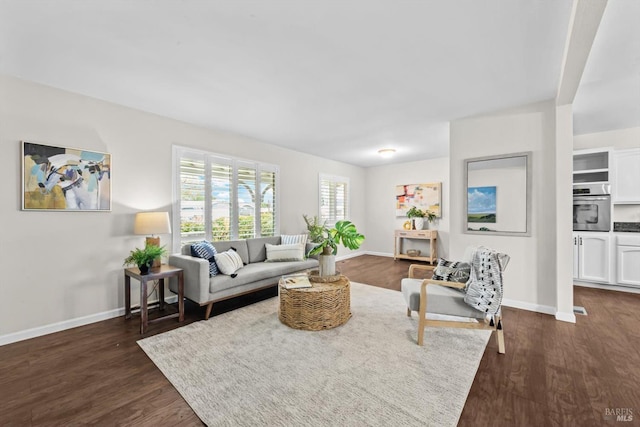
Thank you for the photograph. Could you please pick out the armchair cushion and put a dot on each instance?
(440, 299)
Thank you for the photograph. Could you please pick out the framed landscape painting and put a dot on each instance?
(481, 202)
(65, 179)
(426, 197)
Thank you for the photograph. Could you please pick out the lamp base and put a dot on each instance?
(154, 241)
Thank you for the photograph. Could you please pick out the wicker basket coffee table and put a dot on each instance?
(323, 306)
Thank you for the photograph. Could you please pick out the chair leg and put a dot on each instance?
(408, 312)
(422, 323)
(500, 336)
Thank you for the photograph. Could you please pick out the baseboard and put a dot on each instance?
(350, 255)
(69, 324)
(619, 288)
(566, 317)
(539, 308)
(384, 254)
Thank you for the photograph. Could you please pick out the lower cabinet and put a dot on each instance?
(628, 260)
(592, 257)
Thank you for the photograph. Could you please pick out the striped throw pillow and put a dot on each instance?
(229, 262)
(290, 239)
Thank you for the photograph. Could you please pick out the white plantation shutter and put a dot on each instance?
(222, 198)
(334, 198)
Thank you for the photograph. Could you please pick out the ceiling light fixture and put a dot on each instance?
(386, 152)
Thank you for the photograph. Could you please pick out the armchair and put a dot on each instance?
(474, 303)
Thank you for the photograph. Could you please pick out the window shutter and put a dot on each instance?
(221, 197)
(246, 200)
(334, 198)
(267, 203)
(192, 198)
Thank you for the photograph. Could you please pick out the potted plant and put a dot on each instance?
(327, 241)
(418, 217)
(316, 230)
(143, 258)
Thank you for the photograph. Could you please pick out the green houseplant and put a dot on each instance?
(327, 240)
(143, 258)
(420, 215)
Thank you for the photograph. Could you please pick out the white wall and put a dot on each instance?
(530, 279)
(380, 190)
(618, 140)
(59, 266)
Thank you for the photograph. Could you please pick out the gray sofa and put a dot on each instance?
(255, 275)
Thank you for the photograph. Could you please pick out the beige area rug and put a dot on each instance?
(245, 368)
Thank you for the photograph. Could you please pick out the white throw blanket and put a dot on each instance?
(484, 289)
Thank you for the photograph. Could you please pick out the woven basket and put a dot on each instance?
(413, 252)
(323, 306)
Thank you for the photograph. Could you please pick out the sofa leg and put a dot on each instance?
(208, 312)
(408, 312)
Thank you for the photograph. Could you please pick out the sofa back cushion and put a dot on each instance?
(239, 245)
(256, 247)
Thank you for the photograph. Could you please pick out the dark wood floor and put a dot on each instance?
(553, 374)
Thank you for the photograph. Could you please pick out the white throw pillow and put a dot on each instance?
(290, 239)
(279, 253)
(228, 262)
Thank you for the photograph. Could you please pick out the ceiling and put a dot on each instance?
(334, 79)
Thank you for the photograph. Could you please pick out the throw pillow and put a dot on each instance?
(207, 251)
(228, 262)
(280, 253)
(290, 239)
(452, 271)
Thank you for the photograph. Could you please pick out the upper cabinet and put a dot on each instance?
(625, 176)
(591, 166)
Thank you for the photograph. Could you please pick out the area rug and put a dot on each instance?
(245, 368)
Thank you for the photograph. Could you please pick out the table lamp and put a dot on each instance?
(152, 223)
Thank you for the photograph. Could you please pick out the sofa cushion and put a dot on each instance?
(440, 299)
(289, 239)
(257, 251)
(206, 251)
(239, 245)
(228, 262)
(280, 253)
(259, 271)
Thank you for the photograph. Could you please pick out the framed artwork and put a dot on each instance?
(422, 196)
(65, 179)
(481, 204)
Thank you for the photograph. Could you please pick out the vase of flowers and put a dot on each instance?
(327, 241)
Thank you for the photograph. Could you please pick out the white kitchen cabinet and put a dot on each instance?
(628, 260)
(592, 257)
(625, 176)
(591, 166)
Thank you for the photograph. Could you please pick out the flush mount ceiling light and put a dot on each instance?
(386, 152)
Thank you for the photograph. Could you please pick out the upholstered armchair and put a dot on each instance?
(468, 293)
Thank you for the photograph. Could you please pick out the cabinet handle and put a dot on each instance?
(575, 240)
(581, 240)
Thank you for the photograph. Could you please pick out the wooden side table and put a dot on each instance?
(160, 274)
(323, 306)
(430, 235)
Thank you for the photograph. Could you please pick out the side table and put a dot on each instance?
(164, 271)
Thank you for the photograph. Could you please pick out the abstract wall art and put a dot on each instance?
(65, 179)
(423, 196)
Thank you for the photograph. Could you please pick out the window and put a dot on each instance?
(334, 198)
(222, 198)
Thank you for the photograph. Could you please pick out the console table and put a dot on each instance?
(164, 271)
(430, 235)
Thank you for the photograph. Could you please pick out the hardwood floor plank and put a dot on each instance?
(553, 374)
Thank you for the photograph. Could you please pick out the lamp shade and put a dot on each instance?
(152, 223)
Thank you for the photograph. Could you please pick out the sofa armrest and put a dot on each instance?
(196, 277)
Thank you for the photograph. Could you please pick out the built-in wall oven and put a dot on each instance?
(591, 207)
